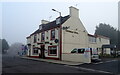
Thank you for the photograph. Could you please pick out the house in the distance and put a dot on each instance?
(56, 39)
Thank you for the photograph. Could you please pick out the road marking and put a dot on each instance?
(88, 69)
(98, 63)
(105, 62)
(110, 61)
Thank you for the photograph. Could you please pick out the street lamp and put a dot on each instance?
(60, 37)
(57, 11)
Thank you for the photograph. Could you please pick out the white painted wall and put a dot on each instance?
(76, 58)
(73, 40)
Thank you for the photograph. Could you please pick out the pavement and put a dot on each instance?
(53, 61)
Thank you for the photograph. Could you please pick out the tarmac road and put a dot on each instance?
(14, 64)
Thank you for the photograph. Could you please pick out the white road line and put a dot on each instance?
(88, 69)
(105, 62)
(98, 63)
(110, 61)
(104, 71)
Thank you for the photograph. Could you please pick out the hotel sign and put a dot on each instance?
(71, 31)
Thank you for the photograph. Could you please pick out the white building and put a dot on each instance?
(56, 39)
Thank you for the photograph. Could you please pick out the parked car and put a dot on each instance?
(93, 52)
(118, 53)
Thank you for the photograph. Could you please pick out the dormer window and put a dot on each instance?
(58, 20)
(40, 27)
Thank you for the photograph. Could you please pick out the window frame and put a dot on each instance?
(34, 49)
(47, 35)
(50, 50)
(35, 38)
(92, 39)
(52, 34)
(42, 40)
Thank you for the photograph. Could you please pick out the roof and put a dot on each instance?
(109, 46)
(98, 36)
(51, 25)
(103, 36)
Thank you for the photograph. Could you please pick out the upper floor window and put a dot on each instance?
(52, 34)
(42, 36)
(92, 39)
(35, 38)
(47, 35)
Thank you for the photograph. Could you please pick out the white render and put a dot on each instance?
(76, 36)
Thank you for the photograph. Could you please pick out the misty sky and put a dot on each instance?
(20, 19)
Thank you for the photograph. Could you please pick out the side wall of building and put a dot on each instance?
(74, 37)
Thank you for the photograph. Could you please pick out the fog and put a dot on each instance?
(14, 49)
(20, 19)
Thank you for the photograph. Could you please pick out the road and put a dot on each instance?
(15, 64)
(107, 65)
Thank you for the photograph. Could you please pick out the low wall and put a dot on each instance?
(76, 57)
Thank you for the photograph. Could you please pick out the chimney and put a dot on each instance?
(74, 12)
(44, 21)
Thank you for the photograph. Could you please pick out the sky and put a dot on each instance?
(20, 19)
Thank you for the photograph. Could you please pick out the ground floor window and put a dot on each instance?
(35, 51)
(52, 50)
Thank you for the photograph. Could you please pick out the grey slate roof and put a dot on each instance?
(51, 25)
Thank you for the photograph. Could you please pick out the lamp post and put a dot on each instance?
(57, 11)
(60, 37)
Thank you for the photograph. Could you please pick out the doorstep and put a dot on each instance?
(53, 61)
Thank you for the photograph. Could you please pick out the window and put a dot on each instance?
(74, 51)
(47, 35)
(81, 50)
(58, 20)
(92, 39)
(35, 50)
(52, 50)
(35, 38)
(40, 27)
(42, 36)
(52, 34)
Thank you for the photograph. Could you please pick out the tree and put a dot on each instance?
(108, 31)
(5, 45)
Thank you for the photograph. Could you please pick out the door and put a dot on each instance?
(42, 51)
